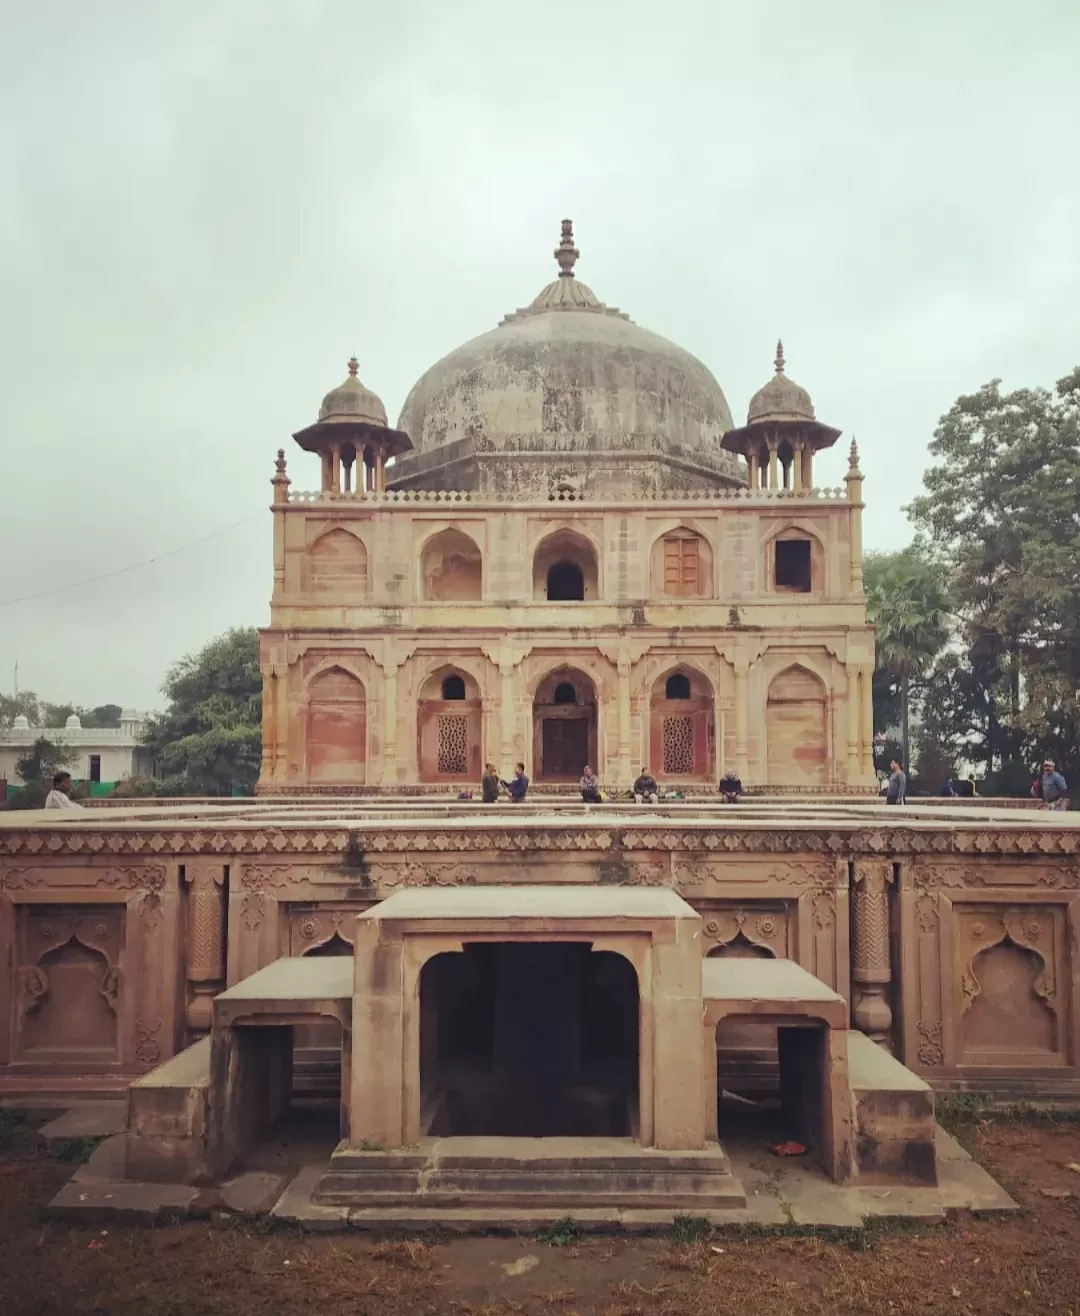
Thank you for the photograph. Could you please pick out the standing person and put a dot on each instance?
(518, 785)
(60, 795)
(897, 790)
(490, 784)
(590, 786)
(646, 790)
(1054, 791)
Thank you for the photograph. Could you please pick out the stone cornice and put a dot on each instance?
(336, 843)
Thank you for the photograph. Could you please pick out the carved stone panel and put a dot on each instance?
(1011, 964)
(68, 984)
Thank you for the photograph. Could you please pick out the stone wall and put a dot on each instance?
(374, 599)
(951, 932)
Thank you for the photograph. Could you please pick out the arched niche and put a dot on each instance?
(794, 562)
(1006, 1008)
(449, 726)
(682, 734)
(681, 565)
(70, 1011)
(565, 568)
(451, 568)
(564, 730)
(337, 565)
(796, 729)
(336, 727)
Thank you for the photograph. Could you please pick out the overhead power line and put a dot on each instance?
(135, 566)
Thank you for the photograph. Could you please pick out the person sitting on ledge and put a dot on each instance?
(730, 788)
(590, 786)
(60, 795)
(518, 785)
(646, 790)
(490, 784)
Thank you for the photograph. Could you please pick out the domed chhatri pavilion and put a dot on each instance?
(566, 553)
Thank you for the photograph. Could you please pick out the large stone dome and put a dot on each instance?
(567, 374)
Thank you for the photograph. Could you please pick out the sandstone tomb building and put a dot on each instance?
(566, 553)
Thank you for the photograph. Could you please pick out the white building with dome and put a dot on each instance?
(566, 554)
(98, 754)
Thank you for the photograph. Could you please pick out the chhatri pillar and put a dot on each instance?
(781, 423)
(353, 440)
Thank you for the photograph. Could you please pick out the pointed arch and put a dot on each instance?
(337, 566)
(796, 728)
(336, 727)
(449, 725)
(565, 731)
(795, 559)
(566, 567)
(451, 568)
(682, 731)
(681, 564)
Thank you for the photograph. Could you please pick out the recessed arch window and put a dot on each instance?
(565, 583)
(453, 687)
(565, 568)
(682, 565)
(564, 694)
(677, 686)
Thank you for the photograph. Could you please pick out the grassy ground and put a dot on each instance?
(1029, 1264)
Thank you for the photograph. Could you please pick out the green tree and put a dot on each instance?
(908, 603)
(25, 703)
(56, 715)
(104, 715)
(1002, 506)
(209, 740)
(42, 761)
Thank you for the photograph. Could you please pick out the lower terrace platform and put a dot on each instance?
(947, 927)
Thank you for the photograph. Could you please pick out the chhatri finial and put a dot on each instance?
(279, 465)
(779, 363)
(566, 253)
(354, 366)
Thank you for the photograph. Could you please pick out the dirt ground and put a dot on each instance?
(1026, 1264)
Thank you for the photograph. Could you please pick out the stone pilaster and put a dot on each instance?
(871, 959)
(205, 955)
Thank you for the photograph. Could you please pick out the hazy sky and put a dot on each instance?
(206, 207)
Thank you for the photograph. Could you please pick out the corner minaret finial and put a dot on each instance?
(779, 363)
(853, 456)
(566, 253)
(354, 366)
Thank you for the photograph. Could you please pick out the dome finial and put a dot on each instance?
(779, 357)
(354, 366)
(566, 253)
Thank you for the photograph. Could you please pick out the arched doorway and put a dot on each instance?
(449, 727)
(336, 728)
(682, 736)
(564, 726)
(529, 1039)
(796, 729)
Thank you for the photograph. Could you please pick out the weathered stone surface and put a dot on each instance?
(98, 1119)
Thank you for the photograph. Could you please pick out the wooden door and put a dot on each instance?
(566, 747)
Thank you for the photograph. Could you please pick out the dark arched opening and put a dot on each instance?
(453, 687)
(564, 694)
(677, 687)
(565, 583)
(529, 1039)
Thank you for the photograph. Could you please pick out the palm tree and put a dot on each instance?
(907, 601)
